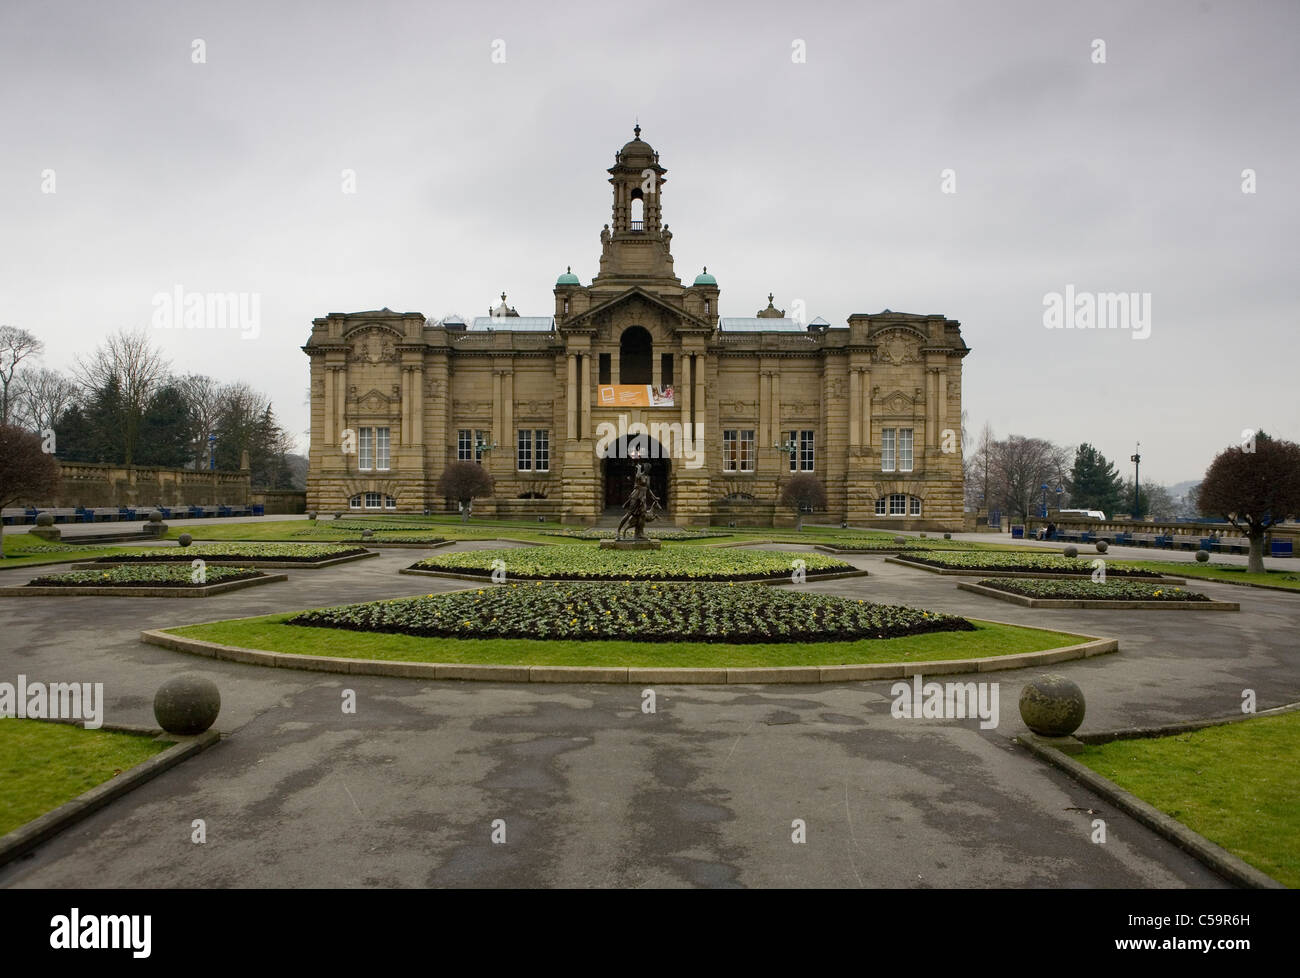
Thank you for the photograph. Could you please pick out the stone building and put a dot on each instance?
(638, 366)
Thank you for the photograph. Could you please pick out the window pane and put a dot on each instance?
(747, 450)
(366, 453)
(480, 439)
(381, 448)
(525, 452)
(729, 450)
(916, 505)
(898, 504)
(793, 438)
(905, 449)
(390, 502)
(806, 450)
(355, 502)
(605, 369)
(887, 450)
(880, 506)
(465, 445)
(542, 447)
(373, 500)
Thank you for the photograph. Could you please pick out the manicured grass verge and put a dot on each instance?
(1228, 573)
(25, 550)
(584, 562)
(43, 765)
(989, 639)
(1235, 784)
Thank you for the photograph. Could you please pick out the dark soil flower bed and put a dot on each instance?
(649, 612)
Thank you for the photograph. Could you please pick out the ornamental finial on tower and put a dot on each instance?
(636, 130)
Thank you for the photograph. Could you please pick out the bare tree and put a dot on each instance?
(27, 474)
(1021, 467)
(16, 345)
(1254, 488)
(43, 396)
(128, 360)
(464, 482)
(203, 398)
(980, 468)
(802, 492)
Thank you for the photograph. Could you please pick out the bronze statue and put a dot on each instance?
(640, 506)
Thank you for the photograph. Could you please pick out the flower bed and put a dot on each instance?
(728, 613)
(654, 534)
(571, 562)
(1087, 590)
(285, 552)
(145, 575)
(1032, 563)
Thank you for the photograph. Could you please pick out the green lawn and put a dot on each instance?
(1222, 572)
(1235, 784)
(24, 550)
(43, 765)
(267, 632)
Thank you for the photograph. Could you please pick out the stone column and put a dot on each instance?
(865, 408)
(685, 385)
(699, 405)
(417, 406)
(508, 413)
(777, 435)
(764, 395)
(584, 427)
(571, 396)
(496, 408)
(941, 401)
(329, 434)
(656, 368)
(855, 408)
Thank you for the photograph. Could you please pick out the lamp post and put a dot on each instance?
(1136, 459)
(482, 447)
(212, 453)
(1044, 488)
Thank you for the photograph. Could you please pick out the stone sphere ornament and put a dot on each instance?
(1052, 705)
(185, 539)
(155, 516)
(367, 534)
(947, 536)
(187, 704)
(1102, 546)
(312, 516)
(1071, 551)
(45, 519)
(1202, 556)
(900, 539)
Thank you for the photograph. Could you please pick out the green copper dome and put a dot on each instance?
(704, 278)
(568, 278)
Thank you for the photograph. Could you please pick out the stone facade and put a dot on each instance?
(872, 408)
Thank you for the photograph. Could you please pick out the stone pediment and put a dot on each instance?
(375, 399)
(898, 403)
(602, 314)
(897, 345)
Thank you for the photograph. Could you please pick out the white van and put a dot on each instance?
(1095, 514)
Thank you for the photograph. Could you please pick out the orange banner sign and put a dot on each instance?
(634, 395)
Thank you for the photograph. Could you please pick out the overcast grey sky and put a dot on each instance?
(819, 181)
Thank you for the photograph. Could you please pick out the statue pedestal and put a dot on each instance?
(630, 544)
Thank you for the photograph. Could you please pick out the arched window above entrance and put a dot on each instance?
(635, 353)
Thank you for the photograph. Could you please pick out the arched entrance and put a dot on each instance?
(635, 356)
(618, 469)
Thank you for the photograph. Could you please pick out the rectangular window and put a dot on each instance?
(897, 504)
(381, 449)
(480, 443)
(887, 459)
(793, 438)
(390, 502)
(666, 370)
(914, 506)
(366, 449)
(729, 450)
(374, 500)
(807, 450)
(880, 506)
(355, 502)
(542, 450)
(525, 453)
(904, 449)
(606, 372)
(465, 445)
(747, 450)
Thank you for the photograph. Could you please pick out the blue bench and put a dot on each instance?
(1281, 548)
(1017, 533)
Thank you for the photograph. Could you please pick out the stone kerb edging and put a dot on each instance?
(91, 590)
(1039, 575)
(394, 544)
(1027, 602)
(222, 562)
(486, 579)
(1230, 867)
(44, 827)
(626, 674)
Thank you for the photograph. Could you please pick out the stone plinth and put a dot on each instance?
(630, 544)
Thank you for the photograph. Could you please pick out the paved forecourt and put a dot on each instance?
(595, 792)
